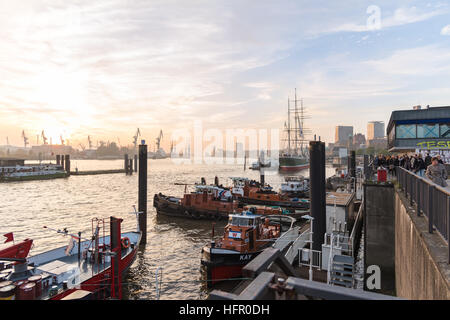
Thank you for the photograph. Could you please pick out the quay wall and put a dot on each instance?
(379, 234)
(422, 271)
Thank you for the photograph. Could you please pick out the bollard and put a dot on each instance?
(58, 159)
(317, 191)
(135, 163)
(142, 198)
(67, 164)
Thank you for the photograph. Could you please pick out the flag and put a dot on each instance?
(9, 237)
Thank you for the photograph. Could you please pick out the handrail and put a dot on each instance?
(430, 198)
(427, 181)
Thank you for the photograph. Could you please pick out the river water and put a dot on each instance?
(174, 245)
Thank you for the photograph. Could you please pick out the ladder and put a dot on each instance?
(342, 271)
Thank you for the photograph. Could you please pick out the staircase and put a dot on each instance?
(342, 271)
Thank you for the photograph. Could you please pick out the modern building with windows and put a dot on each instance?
(375, 130)
(420, 130)
(343, 135)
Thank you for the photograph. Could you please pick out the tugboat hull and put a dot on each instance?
(221, 265)
(171, 206)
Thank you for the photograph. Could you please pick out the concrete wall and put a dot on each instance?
(379, 233)
(421, 266)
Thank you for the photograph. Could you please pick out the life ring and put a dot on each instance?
(125, 243)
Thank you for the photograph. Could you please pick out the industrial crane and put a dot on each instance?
(158, 140)
(25, 138)
(62, 140)
(135, 138)
(44, 138)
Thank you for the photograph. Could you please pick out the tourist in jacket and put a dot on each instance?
(437, 173)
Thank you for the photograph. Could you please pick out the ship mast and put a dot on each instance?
(289, 128)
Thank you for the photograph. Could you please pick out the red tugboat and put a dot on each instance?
(266, 196)
(207, 202)
(246, 235)
(84, 270)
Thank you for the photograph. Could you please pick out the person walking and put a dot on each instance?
(427, 160)
(437, 173)
(420, 165)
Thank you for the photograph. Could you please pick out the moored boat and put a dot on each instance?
(31, 172)
(86, 269)
(245, 236)
(295, 186)
(206, 202)
(266, 196)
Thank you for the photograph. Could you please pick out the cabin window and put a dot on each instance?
(241, 221)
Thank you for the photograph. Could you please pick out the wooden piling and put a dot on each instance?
(135, 163)
(67, 164)
(58, 159)
(125, 165)
(317, 187)
(142, 198)
(116, 275)
(62, 161)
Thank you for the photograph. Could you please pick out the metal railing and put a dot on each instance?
(314, 255)
(431, 200)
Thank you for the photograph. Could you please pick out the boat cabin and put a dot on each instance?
(246, 232)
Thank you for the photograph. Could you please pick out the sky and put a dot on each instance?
(106, 67)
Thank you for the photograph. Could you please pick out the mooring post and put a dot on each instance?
(67, 165)
(116, 274)
(142, 198)
(317, 187)
(125, 165)
(135, 163)
(62, 162)
(130, 167)
(58, 159)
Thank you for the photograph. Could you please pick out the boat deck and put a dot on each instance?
(60, 269)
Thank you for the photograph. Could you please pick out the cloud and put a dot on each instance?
(446, 30)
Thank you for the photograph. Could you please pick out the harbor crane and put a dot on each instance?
(25, 138)
(158, 140)
(44, 138)
(62, 140)
(135, 138)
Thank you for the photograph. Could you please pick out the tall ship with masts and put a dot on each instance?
(295, 156)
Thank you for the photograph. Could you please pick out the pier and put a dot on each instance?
(401, 229)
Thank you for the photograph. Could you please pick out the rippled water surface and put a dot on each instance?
(172, 244)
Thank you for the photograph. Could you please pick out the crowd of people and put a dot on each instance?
(431, 167)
